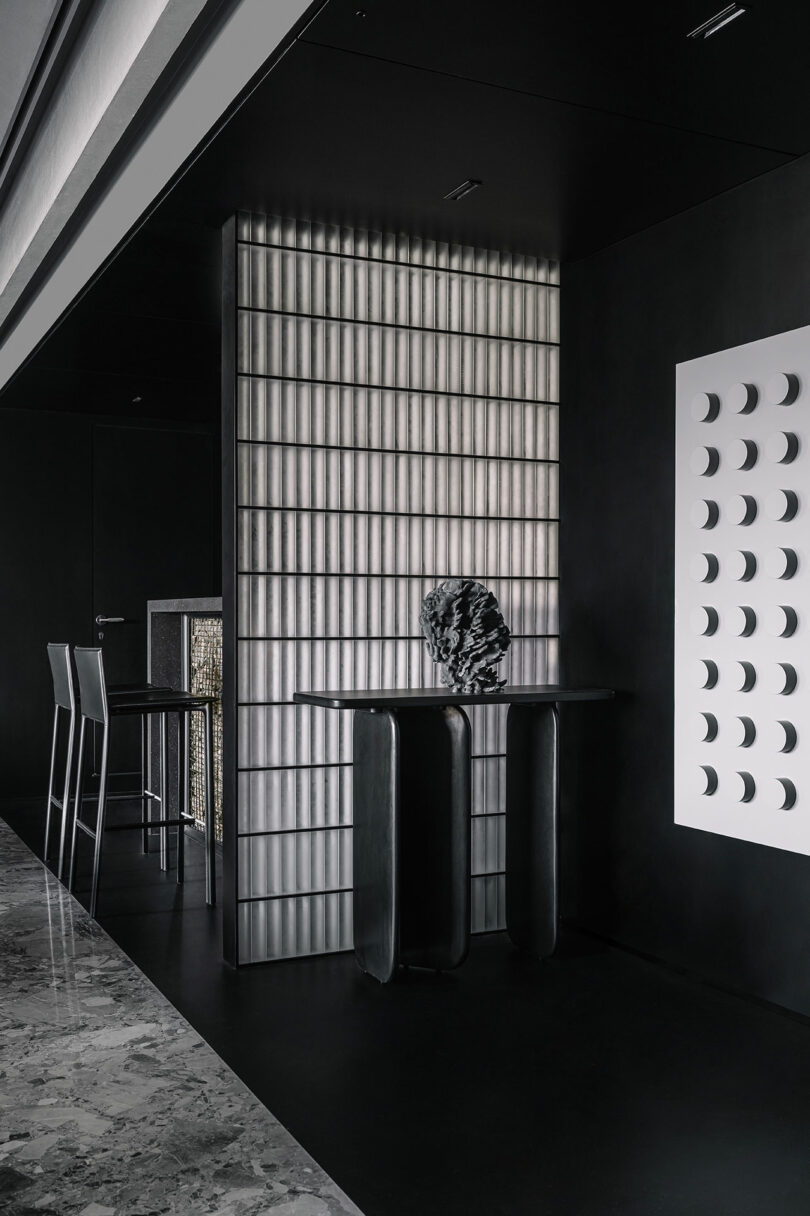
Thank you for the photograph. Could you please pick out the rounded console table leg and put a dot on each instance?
(435, 789)
(412, 794)
(532, 811)
(375, 782)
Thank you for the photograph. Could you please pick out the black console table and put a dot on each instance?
(412, 801)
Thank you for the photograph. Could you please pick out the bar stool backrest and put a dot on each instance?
(59, 658)
(92, 689)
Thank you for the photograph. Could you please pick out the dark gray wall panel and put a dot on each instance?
(56, 515)
(728, 272)
(46, 547)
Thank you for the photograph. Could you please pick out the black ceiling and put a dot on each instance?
(344, 137)
(147, 330)
(746, 83)
(585, 121)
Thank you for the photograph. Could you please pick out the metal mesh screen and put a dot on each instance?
(205, 677)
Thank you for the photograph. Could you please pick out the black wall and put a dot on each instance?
(45, 592)
(47, 552)
(727, 272)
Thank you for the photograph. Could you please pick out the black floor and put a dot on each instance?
(593, 1084)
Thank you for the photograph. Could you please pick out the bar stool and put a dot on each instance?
(97, 707)
(128, 690)
(63, 698)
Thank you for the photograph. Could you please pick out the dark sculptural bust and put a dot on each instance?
(466, 634)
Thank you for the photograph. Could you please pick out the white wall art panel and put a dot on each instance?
(742, 592)
(396, 425)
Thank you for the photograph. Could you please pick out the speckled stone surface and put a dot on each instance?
(110, 1104)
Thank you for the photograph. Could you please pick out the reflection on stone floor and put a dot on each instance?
(110, 1104)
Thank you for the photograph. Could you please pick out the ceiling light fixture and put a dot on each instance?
(730, 13)
(460, 192)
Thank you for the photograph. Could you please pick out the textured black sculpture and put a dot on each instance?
(466, 633)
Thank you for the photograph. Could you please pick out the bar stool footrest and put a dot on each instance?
(150, 823)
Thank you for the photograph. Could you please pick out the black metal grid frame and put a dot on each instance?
(231, 376)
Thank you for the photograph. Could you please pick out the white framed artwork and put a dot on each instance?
(742, 592)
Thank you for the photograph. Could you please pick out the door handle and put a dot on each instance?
(110, 620)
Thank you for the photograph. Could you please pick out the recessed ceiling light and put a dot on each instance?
(459, 192)
(730, 13)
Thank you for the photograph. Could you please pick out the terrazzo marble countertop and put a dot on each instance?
(110, 1103)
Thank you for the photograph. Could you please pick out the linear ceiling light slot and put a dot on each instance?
(463, 190)
(730, 13)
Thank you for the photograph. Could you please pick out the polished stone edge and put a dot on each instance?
(203, 604)
(111, 1104)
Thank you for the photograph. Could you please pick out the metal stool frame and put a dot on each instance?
(64, 698)
(96, 707)
(115, 691)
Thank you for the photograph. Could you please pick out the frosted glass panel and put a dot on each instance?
(289, 412)
(488, 900)
(327, 285)
(295, 862)
(318, 542)
(332, 479)
(270, 230)
(397, 424)
(287, 799)
(289, 928)
(271, 671)
(320, 606)
(349, 353)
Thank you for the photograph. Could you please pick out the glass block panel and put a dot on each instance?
(295, 863)
(295, 926)
(279, 231)
(488, 903)
(290, 412)
(489, 785)
(398, 425)
(488, 844)
(313, 542)
(324, 606)
(488, 723)
(329, 285)
(331, 479)
(342, 352)
(272, 671)
(279, 736)
(287, 799)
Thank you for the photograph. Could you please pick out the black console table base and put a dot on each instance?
(412, 805)
(532, 829)
(411, 838)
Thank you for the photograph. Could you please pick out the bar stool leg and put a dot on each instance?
(210, 855)
(146, 804)
(77, 806)
(50, 781)
(66, 794)
(102, 808)
(164, 799)
(182, 752)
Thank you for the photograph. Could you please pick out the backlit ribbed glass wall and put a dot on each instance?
(396, 425)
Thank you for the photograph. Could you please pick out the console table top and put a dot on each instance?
(413, 698)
